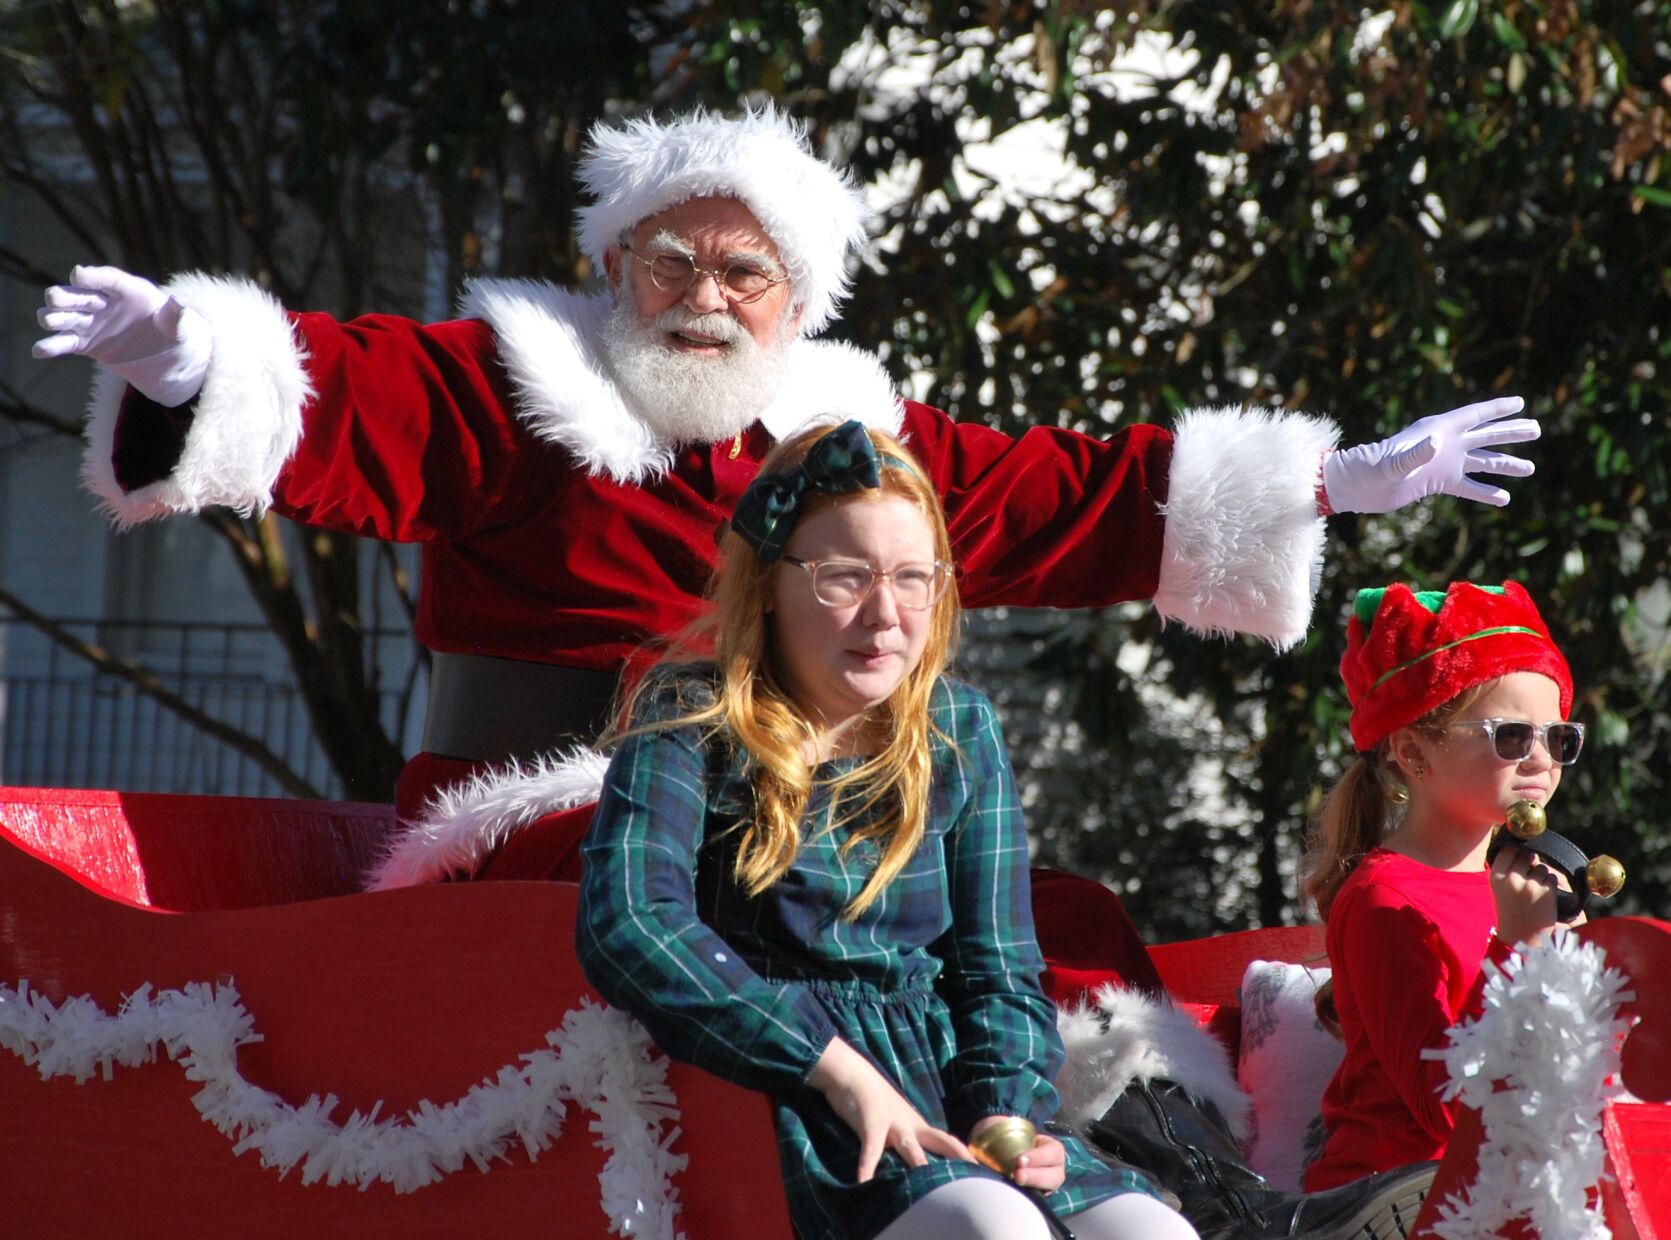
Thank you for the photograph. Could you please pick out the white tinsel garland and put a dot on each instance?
(599, 1057)
(1539, 1064)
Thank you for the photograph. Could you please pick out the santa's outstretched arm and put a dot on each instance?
(209, 392)
(1219, 520)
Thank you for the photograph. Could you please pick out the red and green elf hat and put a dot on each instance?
(1409, 651)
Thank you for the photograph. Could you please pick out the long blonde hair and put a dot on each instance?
(887, 795)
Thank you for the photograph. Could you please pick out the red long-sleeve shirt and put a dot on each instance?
(1407, 943)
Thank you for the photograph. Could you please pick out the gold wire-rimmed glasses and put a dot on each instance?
(739, 283)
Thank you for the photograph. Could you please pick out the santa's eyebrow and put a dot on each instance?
(665, 240)
(753, 257)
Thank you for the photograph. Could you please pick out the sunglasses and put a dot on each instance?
(1513, 738)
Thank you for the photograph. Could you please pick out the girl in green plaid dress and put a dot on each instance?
(807, 874)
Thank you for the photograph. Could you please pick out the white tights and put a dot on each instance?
(981, 1209)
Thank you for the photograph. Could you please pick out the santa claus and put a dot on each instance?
(565, 458)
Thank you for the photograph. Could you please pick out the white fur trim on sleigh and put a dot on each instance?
(248, 416)
(813, 212)
(599, 1057)
(1125, 1036)
(548, 341)
(1243, 549)
(1540, 1064)
(464, 823)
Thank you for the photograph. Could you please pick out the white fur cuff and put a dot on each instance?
(1243, 549)
(1125, 1036)
(248, 418)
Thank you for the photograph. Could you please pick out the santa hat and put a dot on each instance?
(1408, 651)
(813, 212)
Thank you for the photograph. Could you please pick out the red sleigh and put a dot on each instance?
(401, 996)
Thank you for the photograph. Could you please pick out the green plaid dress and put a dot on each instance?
(754, 989)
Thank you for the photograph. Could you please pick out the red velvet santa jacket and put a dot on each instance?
(559, 527)
(527, 556)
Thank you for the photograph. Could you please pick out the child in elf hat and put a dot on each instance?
(1459, 709)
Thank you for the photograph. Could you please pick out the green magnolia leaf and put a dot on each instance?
(1610, 62)
(1458, 18)
(1506, 34)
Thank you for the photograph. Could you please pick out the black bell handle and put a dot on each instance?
(1601, 876)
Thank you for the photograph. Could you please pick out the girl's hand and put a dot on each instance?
(869, 1104)
(1043, 1167)
(1524, 891)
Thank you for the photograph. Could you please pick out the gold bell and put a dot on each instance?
(1001, 1145)
(1526, 820)
(1605, 876)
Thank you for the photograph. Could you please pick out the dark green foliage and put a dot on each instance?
(1375, 221)
(1472, 200)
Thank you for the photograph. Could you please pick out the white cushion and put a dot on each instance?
(1284, 1061)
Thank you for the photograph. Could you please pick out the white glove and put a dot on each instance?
(1431, 457)
(132, 327)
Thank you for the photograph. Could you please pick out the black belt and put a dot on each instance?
(487, 709)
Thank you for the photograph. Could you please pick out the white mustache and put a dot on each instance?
(715, 324)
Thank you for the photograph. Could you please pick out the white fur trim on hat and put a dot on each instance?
(464, 823)
(1243, 549)
(812, 211)
(1126, 1036)
(248, 417)
(548, 342)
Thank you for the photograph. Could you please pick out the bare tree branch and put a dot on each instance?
(72, 217)
(401, 580)
(15, 409)
(146, 682)
(17, 267)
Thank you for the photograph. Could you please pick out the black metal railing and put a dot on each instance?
(66, 723)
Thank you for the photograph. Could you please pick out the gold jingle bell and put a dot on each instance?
(1001, 1145)
(1605, 876)
(1526, 819)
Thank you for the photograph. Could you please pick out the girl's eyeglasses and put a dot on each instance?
(847, 583)
(1514, 738)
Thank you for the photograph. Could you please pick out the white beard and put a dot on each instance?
(684, 397)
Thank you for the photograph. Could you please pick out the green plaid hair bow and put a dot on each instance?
(840, 463)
